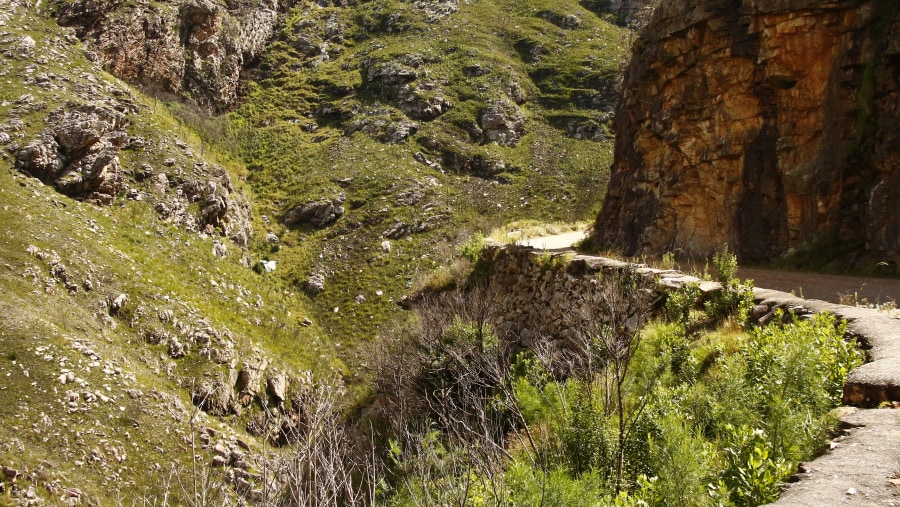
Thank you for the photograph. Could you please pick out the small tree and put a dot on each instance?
(607, 325)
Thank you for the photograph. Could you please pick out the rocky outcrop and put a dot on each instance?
(503, 123)
(398, 82)
(88, 150)
(623, 12)
(316, 213)
(79, 153)
(199, 47)
(223, 210)
(381, 126)
(770, 125)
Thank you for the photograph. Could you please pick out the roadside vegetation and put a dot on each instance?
(694, 407)
(690, 405)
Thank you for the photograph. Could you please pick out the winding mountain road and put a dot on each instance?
(557, 242)
(831, 288)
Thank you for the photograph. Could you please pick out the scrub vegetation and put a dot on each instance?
(692, 408)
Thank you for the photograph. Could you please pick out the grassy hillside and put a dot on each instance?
(94, 396)
(298, 130)
(119, 319)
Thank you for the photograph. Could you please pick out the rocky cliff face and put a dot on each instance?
(197, 47)
(770, 125)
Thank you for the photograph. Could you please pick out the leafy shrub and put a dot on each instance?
(472, 248)
(556, 486)
(729, 434)
(776, 393)
(735, 298)
(588, 441)
(679, 303)
(751, 475)
(677, 347)
(683, 463)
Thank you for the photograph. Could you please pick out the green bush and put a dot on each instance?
(679, 303)
(472, 248)
(735, 298)
(588, 440)
(729, 434)
(556, 487)
(751, 475)
(683, 464)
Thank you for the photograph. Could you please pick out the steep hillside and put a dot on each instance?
(769, 125)
(128, 297)
(379, 135)
(420, 124)
(171, 276)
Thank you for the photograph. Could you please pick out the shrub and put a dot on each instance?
(735, 298)
(471, 249)
(751, 475)
(775, 393)
(679, 303)
(556, 486)
(588, 439)
(683, 463)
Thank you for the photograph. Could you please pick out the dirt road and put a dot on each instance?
(825, 287)
(829, 288)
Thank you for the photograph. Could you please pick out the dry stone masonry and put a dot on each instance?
(538, 288)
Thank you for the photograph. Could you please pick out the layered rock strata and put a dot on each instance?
(770, 125)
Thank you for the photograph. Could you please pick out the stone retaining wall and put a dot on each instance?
(538, 290)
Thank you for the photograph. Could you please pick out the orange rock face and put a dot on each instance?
(770, 125)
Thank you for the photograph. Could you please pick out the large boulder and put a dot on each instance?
(317, 213)
(79, 153)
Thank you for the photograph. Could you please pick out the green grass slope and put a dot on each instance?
(95, 403)
(302, 131)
